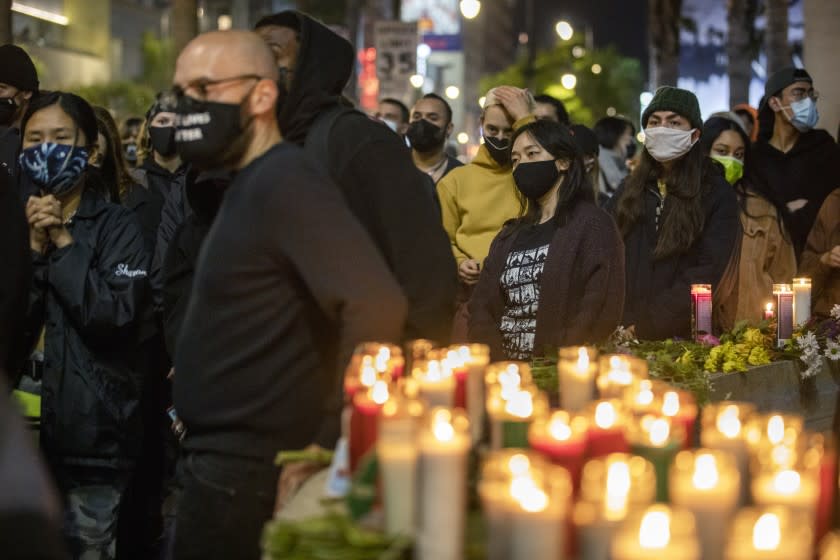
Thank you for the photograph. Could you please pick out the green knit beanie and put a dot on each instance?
(679, 101)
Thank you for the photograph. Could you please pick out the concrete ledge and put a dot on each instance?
(779, 386)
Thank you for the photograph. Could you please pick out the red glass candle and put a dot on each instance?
(606, 429)
(364, 421)
(562, 440)
(680, 407)
(701, 310)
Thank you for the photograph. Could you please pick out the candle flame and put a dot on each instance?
(559, 426)
(671, 403)
(434, 372)
(519, 464)
(658, 432)
(705, 472)
(787, 482)
(520, 404)
(382, 358)
(655, 530)
(533, 500)
(465, 354)
(768, 307)
(379, 392)
(776, 429)
(583, 360)
(368, 375)
(618, 479)
(767, 533)
(619, 373)
(782, 456)
(728, 422)
(605, 415)
(443, 431)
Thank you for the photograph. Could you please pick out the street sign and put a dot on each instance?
(396, 56)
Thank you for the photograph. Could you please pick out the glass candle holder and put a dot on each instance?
(608, 420)
(471, 362)
(658, 532)
(577, 368)
(701, 310)
(658, 440)
(617, 372)
(724, 429)
(801, 300)
(561, 438)
(769, 533)
(784, 313)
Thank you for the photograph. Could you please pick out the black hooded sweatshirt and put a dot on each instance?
(810, 170)
(376, 175)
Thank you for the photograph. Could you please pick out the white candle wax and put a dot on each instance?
(476, 357)
(658, 533)
(538, 518)
(769, 534)
(444, 446)
(595, 532)
(576, 371)
(436, 384)
(707, 484)
(396, 451)
(724, 430)
(801, 300)
(790, 488)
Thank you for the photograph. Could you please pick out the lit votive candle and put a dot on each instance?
(517, 415)
(561, 438)
(701, 310)
(577, 367)
(724, 430)
(784, 313)
(769, 311)
(396, 451)
(773, 437)
(611, 486)
(655, 439)
(791, 488)
(707, 484)
(607, 422)
(361, 375)
(657, 533)
(616, 374)
(364, 420)
(640, 397)
(801, 300)
(474, 358)
(444, 444)
(769, 534)
(436, 383)
(681, 408)
(541, 505)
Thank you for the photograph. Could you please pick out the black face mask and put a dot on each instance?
(499, 149)
(425, 136)
(163, 139)
(631, 150)
(535, 178)
(8, 108)
(210, 135)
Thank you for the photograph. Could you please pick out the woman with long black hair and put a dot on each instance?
(554, 276)
(678, 216)
(90, 281)
(767, 255)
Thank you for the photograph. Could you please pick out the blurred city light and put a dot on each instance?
(564, 30)
(641, 136)
(611, 111)
(470, 8)
(645, 98)
(452, 92)
(463, 137)
(568, 81)
(578, 51)
(417, 80)
(224, 22)
(481, 101)
(424, 50)
(596, 68)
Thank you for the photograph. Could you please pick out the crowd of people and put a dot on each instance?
(183, 293)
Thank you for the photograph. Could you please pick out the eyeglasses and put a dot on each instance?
(169, 99)
(799, 94)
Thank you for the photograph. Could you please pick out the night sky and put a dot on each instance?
(618, 22)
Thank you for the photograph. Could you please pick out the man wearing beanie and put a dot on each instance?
(800, 164)
(679, 219)
(18, 83)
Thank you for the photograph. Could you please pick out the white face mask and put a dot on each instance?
(805, 114)
(666, 144)
(390, 124)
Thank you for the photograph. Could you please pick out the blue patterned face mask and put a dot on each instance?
(55, 168)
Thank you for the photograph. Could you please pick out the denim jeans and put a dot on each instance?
(225, 502)
(92, 498)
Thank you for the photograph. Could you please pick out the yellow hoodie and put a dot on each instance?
(476, 200)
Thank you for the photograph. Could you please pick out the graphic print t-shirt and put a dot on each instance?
(520, 283)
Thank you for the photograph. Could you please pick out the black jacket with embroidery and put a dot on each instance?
(88, 296)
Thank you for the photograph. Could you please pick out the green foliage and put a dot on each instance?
(124, 99)
(158, 61)
(618, 85)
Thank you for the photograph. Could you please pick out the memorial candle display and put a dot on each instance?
(769, 534)
(436, 384)
(707, 484)
(361, 375)
(655, 439)
(561, 439)
(640, 397)
(784, 313)
(701, 310)
(657, 533)
(444, 444)
(724, 430)
(607, 421)
(772, 438)
(497, 471)
(364, 420)
(801, 300)
(577, 367)
(610, 487)
(396, 451)
(617, 372)
(469, 381)
(511, 421)
(681, 408)
(769, 311)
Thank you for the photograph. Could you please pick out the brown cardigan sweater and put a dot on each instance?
(824, 236)
(581, 290)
